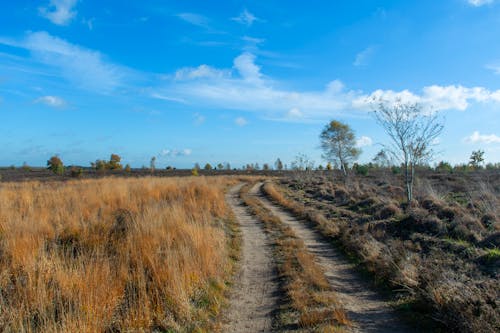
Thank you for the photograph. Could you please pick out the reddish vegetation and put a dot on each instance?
(441, 254)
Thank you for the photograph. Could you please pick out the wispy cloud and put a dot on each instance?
(494, 67)
(479, 3)
(363, 57)
(84, 68)
(245, 18)
(175, 152)
(240, 121)
(476, 137)
(194, 19)
(59, 12)
(202, 71)
(52, 101)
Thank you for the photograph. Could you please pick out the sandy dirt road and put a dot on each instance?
(369, 311)
(256, 293)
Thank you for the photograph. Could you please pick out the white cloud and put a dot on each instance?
(59, 12)
(294, 113)
(175, 152)
(248, 89)
(245, 18)
(364, 141)
(202, 71)
(194, 19)
(476, 137)
(363, 57)
(52, 101)
(85, 68)
(245, 65)
(240, 121)
(479, 3)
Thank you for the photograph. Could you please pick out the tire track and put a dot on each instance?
(369, 311)
(256, 293)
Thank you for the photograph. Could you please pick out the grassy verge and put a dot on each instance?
(115, 255)
(311, 304)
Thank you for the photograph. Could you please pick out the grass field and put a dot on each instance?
(114, 254)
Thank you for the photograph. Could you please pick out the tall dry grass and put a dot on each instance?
(112, 255)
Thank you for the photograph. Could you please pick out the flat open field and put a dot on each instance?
(304, 252)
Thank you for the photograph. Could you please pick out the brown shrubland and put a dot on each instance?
(440, 255)
(113, 254)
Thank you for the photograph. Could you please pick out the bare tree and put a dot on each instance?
(152, 164)
(412, 132)
(339, 144)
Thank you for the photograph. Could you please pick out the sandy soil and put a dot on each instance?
(369, 311)
(256, 294)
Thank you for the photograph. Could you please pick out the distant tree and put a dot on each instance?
(208, 166)
(476, 159)
(100, 165)
(26, 167)
(197, 166)
(381, 159)
(412, 133)
(278, 164)
(194, 172)
(444, 166)
(220, 166)
(152, 164)
(228, 166)
(329, 166)
(302, 162)
(128, 168)
(339, 144)
(55, 164)
(266, 166)
(114, 162)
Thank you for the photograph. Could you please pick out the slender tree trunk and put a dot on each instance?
(408, 182)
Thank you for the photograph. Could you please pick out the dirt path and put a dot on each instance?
(367, 309)
(256, 293)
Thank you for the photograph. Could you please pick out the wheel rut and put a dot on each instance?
(255, 295)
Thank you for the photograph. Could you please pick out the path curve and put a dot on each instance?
(256, 293)
(366, 308)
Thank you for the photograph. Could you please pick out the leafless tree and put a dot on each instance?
(412, 131)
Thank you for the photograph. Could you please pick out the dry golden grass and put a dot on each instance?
(113, 254)
(311, 298)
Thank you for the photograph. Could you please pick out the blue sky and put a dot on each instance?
(239, 81)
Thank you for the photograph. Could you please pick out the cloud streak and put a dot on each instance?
(84, 68)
